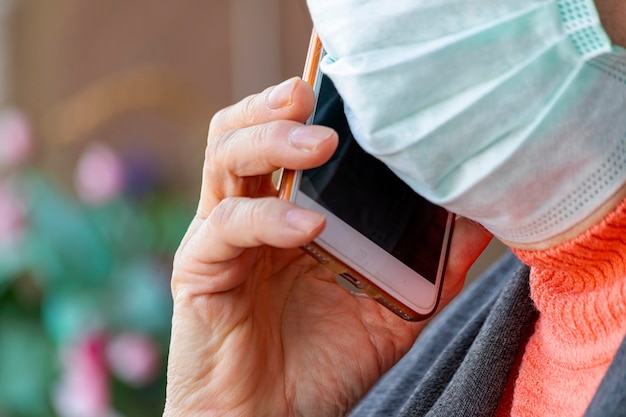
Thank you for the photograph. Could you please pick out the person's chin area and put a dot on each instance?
(613, 17)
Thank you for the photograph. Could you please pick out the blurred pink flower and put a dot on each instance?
(83, 390)
(12, 215)
(16, 143)
(134, 358)
(99, 175)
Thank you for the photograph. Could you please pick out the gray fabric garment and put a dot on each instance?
(461, 363)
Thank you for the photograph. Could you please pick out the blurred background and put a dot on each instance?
(104, 108)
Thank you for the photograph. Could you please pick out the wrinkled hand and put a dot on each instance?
(259, 327)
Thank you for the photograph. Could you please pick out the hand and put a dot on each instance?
(259, 327)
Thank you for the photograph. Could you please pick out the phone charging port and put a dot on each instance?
(354, 281)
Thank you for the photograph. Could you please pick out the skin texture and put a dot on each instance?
(259, 328)
(613, 17)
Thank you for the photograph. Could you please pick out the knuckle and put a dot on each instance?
(242, 114)
(249, 110)
(212, 147)
(267, 142)
(260, 137)
(273, 134)
(217, 121)
(224, 212)
(245, 213)
(217, 150)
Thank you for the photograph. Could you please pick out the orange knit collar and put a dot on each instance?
(579, 288)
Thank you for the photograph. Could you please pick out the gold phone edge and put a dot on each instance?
(286, 189)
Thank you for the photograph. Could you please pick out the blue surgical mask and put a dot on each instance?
(509, 112)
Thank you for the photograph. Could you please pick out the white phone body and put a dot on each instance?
(377, 251)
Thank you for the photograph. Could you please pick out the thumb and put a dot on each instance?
(469, 240)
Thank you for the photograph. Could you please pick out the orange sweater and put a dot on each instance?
(579, 288)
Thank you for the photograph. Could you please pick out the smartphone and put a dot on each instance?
(380, 235)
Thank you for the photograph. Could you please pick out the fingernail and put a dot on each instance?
(308, 138)
(303, 220)
(281, 96)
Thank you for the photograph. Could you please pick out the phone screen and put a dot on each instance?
(368, 196)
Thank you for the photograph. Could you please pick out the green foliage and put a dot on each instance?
(79, 268)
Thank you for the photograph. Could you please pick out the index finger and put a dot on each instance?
(292, 99)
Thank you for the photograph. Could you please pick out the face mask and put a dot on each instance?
(509, 112)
